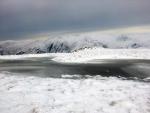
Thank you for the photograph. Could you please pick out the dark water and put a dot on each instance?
(43, 67)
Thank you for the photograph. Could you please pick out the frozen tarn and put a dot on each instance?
(24, 94)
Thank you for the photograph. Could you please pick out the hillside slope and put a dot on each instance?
(73, 42)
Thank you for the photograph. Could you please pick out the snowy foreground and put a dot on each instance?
(21, 93)
(29, 94)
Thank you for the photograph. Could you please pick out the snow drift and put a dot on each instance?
(30, 94)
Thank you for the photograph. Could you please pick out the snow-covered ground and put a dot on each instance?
(30, 94)
(21, 93)
(85, 55)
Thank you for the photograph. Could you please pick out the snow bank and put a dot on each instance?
(86, 55)
(29, 56)
(27, 94)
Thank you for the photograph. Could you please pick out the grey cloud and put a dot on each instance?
(22, 17)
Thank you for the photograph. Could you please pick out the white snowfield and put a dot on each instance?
(86, 55)
(28, 56)
(28, 94)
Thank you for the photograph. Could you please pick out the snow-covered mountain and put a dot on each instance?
(76, 41)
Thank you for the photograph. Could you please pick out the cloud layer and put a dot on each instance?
(21, 17)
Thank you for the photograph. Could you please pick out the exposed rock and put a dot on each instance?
(135, 45)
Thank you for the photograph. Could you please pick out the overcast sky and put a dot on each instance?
(24, 17)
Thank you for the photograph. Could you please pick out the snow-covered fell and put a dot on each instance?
(72, 42)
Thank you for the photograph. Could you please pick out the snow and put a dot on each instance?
(31, 94)
(71, 42)
(26, 93)
(28, 56)
(86, 55)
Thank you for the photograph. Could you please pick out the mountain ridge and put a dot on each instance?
(75, 42)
